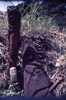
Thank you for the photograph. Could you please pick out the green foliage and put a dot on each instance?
(34, 16)
(3, 22)
(34, 19)
(11, 93)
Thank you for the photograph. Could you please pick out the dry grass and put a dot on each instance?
(29, 22)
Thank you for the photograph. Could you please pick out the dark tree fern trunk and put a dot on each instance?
(14, 18)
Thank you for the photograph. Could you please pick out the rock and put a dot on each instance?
(13, 74)
(36, 82)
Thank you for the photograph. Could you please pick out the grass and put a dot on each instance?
(29, 22)
(34, 19)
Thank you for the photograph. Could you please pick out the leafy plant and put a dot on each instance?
(35, 19)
